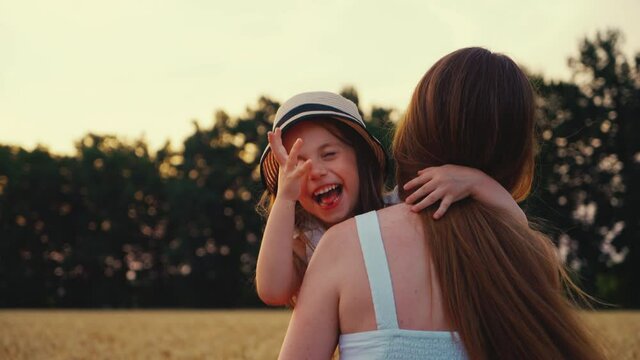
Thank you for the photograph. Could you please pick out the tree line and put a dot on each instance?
(118, 226)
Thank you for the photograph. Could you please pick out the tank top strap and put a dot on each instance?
(375, 260)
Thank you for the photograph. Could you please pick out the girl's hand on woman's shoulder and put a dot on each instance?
(451, 183)
(447, 184)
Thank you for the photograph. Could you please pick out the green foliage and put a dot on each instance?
(116, 226)
(589, 167)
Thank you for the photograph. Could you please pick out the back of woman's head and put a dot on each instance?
(472, 108)
(500, 280)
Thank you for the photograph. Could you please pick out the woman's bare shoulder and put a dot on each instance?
(339, 236)
(335, 251)
(400, 209)
(397, 214)
(346, 232)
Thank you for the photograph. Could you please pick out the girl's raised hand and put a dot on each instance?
(447, 184)
(292, 170)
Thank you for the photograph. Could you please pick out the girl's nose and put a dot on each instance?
(317, 169)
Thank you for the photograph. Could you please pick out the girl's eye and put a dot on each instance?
(329, 154)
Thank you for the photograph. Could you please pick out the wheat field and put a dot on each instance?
(190, 334)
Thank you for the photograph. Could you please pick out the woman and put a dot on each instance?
(475, 284)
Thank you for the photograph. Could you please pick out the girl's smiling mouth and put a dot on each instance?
(327, 196)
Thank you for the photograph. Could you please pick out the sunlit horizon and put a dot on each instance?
(148, 70)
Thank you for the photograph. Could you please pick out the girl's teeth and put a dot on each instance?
(327, 189)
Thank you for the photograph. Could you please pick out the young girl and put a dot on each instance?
(322, 167)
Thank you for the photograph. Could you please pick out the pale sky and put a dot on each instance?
(150, 67)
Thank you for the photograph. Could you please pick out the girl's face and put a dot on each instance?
(331, 189)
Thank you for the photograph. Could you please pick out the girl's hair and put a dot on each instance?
(502, 284)
(371, 180)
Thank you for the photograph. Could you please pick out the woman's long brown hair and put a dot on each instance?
(502, 284)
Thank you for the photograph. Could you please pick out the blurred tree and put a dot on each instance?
(116, 226)
(119, 220)
(590, 167)
(31, 257)
(213, 222)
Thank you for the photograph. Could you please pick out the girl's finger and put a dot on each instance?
(292, 160)
(428, 201)
(421, 192)
(444, 206)
(302, 169)
(275, 141)
(418, 180)
(278, 149)
(426, 170)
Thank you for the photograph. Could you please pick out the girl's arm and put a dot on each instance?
(314, 326)
(450, 183)
(276, 277)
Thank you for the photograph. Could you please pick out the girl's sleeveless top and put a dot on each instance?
(388, 341)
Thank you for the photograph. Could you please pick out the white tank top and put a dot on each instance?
(388, 341)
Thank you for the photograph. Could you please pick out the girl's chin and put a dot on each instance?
(331, 214)
(330, 219)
